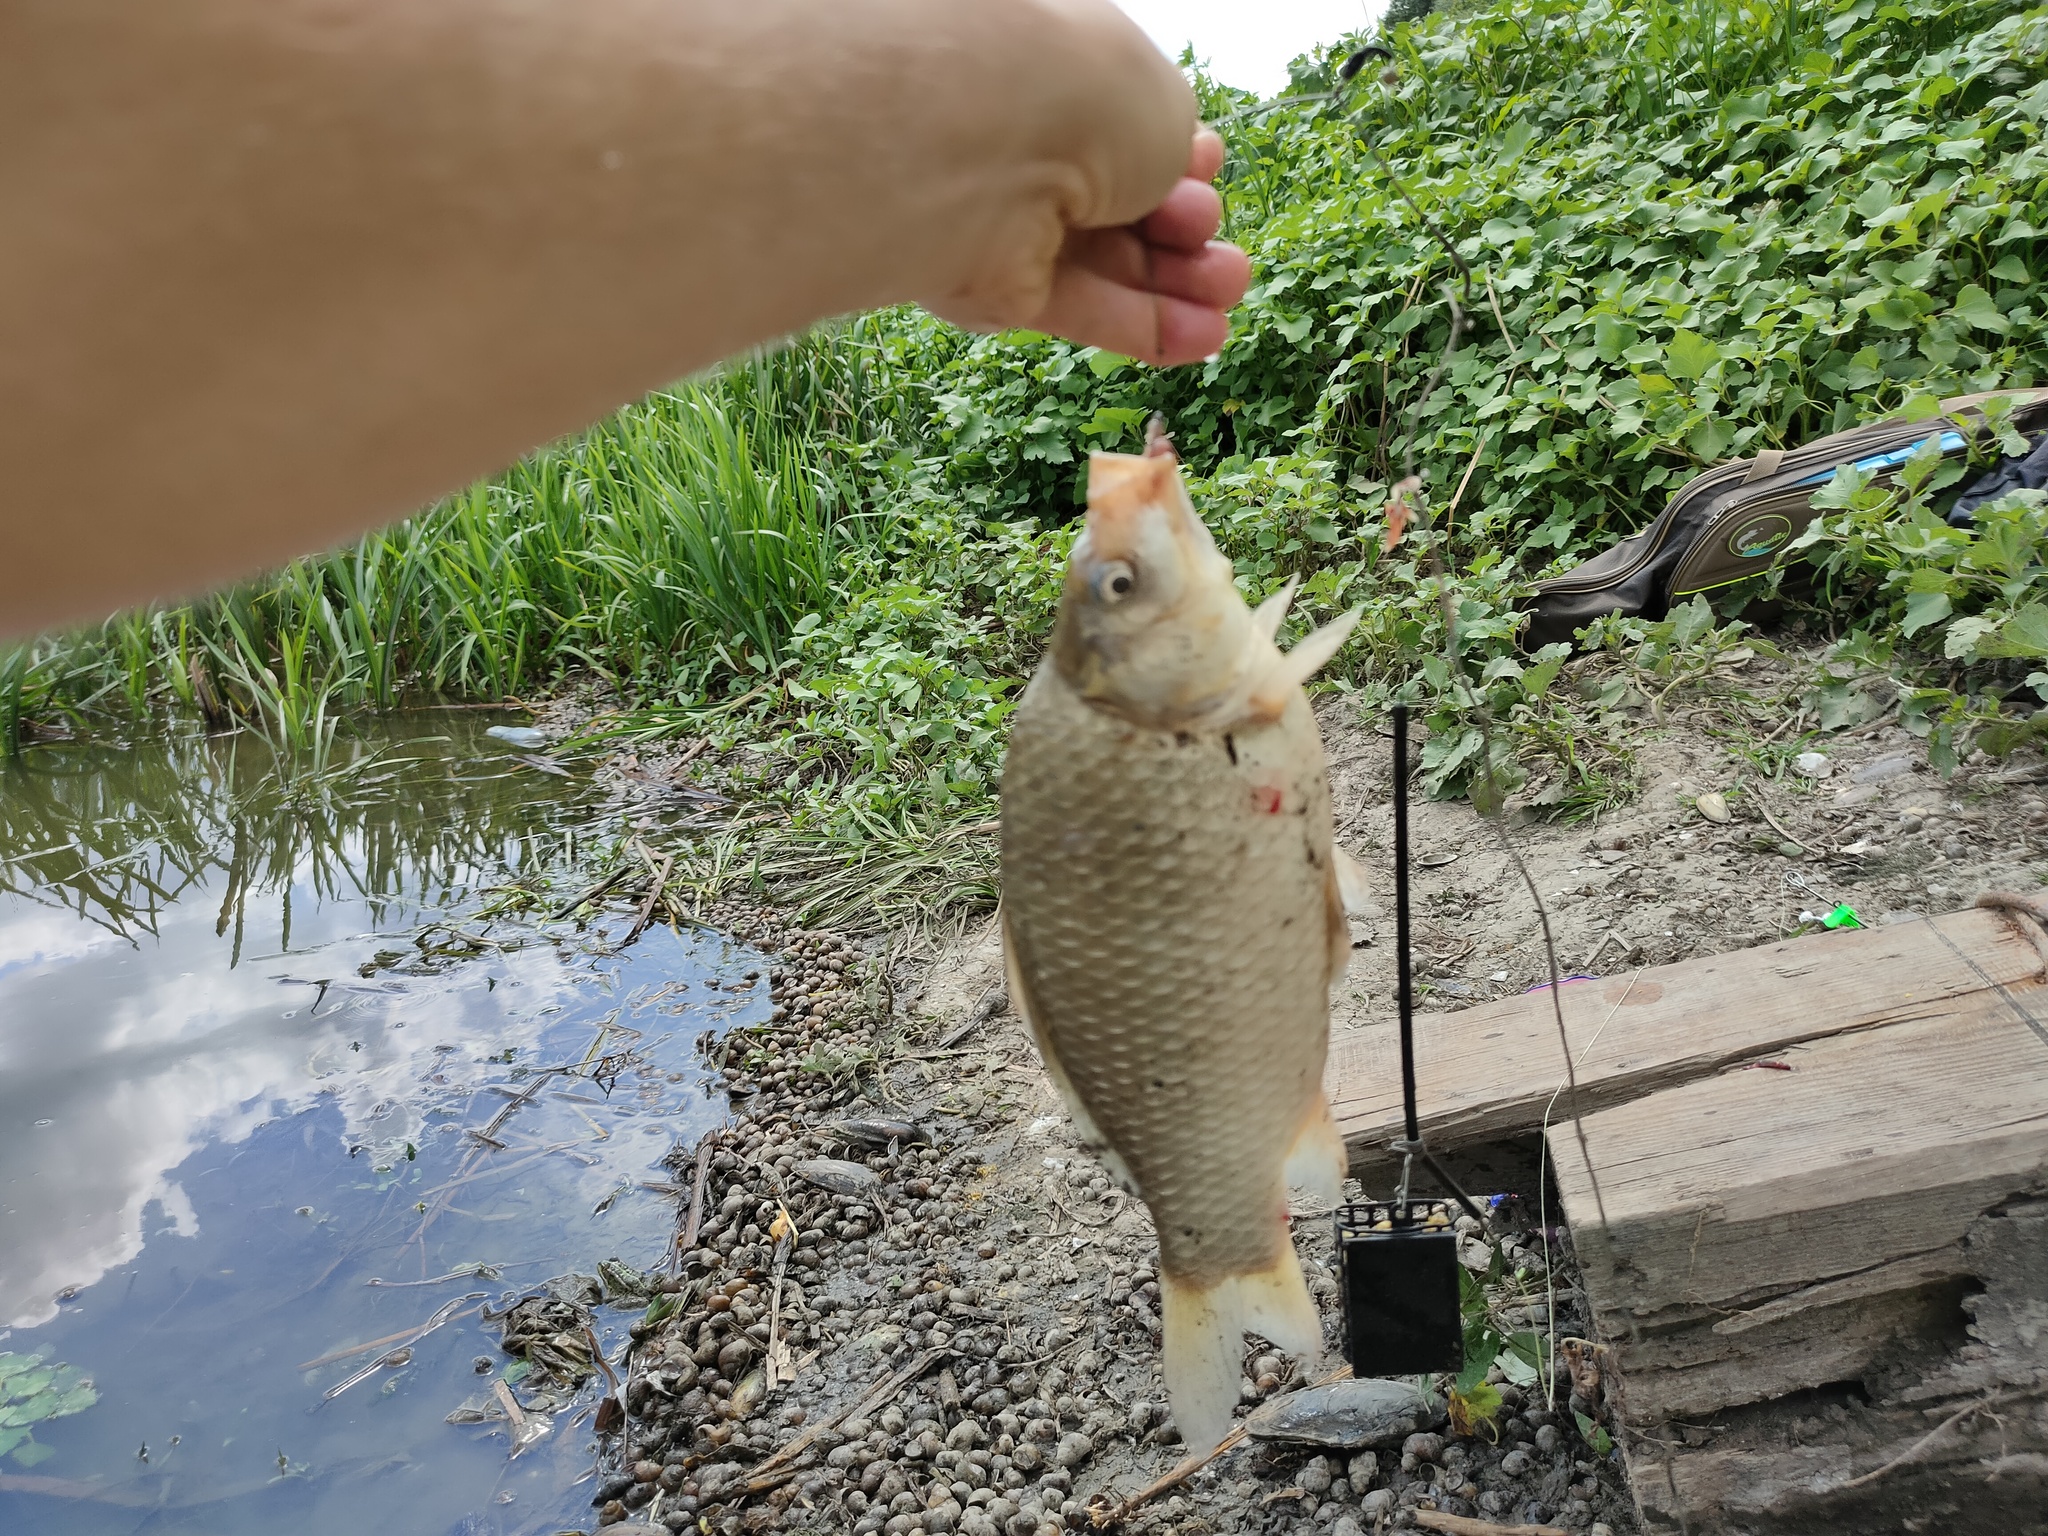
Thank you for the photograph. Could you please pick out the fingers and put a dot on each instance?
(1159, 289)
(1091, 309)
(1191, 214)
(1215, 276)
(1214, 273)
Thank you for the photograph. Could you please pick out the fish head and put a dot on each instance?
(1151, 625)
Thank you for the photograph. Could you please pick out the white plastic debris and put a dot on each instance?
(524, 737)
(1812, 765)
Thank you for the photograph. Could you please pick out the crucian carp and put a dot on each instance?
(1174, 914)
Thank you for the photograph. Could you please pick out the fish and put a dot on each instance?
(1174, 912)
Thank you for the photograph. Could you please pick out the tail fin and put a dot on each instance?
(1204, 1329)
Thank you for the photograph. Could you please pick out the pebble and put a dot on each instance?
(1377, 1504)
(839, 1176)
(1878, 769)
(1548, 1439)
(1516, 1463)
(1346, 1526)
(1423, 1447)
(1315, 1477)
(1347, 1415)
(1073, 1450)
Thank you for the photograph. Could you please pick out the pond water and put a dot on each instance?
(241, 1086)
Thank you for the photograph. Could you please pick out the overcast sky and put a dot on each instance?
(1247, 43)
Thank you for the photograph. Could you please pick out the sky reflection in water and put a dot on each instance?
(234, 1088)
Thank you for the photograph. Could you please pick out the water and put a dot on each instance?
(238, 1084)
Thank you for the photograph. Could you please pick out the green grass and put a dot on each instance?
(684, 538)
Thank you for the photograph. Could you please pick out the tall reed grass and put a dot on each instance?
(684, 537)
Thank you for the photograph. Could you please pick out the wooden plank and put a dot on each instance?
(1487, 1073)
(1982, 1471)
(1769, 1231)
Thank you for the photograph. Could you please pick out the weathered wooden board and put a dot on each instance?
(1768, 1231)
(1490, 1072)
(1955, 1442)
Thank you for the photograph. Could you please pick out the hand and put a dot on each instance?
(1158, 289)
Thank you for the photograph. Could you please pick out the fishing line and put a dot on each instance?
(1411, 1146)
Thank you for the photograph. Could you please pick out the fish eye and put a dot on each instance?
(1115, 581)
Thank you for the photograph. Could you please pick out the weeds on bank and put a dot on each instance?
(1695, 232)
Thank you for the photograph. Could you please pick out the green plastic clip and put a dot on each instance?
(1844, 916)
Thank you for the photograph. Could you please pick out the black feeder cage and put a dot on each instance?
(1398, 1269)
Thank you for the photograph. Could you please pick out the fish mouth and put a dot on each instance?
(1122, 488)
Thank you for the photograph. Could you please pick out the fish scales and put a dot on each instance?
(1169, 909)
(1171, 915)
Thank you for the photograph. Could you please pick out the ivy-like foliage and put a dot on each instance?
(1694, 230)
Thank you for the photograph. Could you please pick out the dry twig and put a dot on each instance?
(1102, 1516)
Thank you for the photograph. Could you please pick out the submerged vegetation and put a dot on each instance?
(1692, 228)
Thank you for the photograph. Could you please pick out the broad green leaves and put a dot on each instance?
(1689, 356)
(1974, 308)
(32, 1393)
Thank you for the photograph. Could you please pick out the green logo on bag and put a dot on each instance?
(1759, 537)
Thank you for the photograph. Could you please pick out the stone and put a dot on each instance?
(1315, 1477)
(1348, 1415)
(1878, 769)
(1073, 1449)
(1423, 1447)
(1517, 1463)
(839, 1176)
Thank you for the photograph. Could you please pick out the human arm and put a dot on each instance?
(275, 271)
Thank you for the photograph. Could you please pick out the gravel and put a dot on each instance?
(992, 1270)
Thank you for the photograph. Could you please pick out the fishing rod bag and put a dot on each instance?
(1733, 521)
